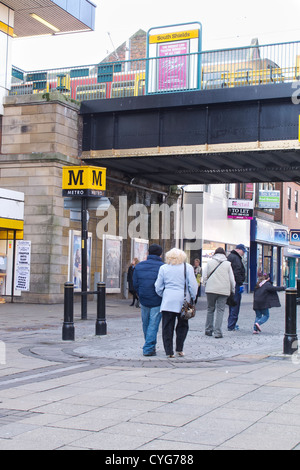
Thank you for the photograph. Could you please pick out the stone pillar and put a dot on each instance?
(40, 136)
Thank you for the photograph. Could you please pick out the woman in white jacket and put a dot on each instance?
(219, 282)
(170, 286)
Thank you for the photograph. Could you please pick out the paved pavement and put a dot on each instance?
(238, 392)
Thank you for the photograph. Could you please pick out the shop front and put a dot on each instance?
(11, 230)
(213, 229)
(268, 241)
(291, 265)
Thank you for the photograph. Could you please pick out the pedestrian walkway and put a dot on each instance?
(102, 393)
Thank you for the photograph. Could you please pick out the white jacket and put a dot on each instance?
(170, 286)
(222, 280)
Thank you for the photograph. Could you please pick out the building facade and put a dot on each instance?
(290, 217)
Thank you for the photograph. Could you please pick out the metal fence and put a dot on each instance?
(225, 68)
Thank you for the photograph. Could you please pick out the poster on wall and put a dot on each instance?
(139, 249)
(112, 263)
(23, 259)
(75, 259)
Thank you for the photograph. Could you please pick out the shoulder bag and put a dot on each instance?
(188, 310)
(220, 262)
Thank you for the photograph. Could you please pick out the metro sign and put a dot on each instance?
(82, 181)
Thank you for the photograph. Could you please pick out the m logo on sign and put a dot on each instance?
(75, 180)
(84, 181)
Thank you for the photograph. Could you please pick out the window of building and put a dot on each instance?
(289, 197)
(296, 202)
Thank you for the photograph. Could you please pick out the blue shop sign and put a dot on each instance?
(291, 252)
(264, 231)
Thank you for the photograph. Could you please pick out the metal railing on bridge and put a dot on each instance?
(224, 68)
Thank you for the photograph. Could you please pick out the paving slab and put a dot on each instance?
(239, 392)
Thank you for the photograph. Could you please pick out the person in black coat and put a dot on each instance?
(238, 268)
(131, 289)
(265, 297)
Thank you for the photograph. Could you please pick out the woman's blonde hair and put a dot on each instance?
(175, 256)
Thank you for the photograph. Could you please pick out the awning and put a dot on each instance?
(35, 17)
(11, 224)
(11, 229)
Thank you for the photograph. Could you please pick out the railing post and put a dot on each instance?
(290, 343)
(101, 325)
(68, 330)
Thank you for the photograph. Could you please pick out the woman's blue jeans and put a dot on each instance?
(262, 316)
(151, 318)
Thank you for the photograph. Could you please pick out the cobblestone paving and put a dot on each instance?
(124, 340)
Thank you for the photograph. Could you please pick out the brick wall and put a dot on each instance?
(290, 217)
(137, 48)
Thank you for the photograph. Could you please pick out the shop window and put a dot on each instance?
(3, 263)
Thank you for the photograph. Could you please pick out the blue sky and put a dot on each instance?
(225, 24)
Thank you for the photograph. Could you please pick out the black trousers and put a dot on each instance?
(168, 326)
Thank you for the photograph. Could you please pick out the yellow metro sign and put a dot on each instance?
(81, 181)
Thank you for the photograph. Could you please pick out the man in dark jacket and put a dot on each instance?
(236, 259)
(144, 277)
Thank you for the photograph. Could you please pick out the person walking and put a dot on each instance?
(170, 286)
(130, 272)
(265, 297)
(238, 268)
(198, 276)
(219, 283)
(144, 277)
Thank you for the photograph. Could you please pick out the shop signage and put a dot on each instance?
(81, 181)
(22, 280)
(270, 232)
(240, 209)
(295, 235)
(269, 199)
(291, 252)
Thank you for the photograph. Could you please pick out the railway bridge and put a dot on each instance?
(227, 135)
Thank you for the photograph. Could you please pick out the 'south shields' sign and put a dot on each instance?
(83, 181)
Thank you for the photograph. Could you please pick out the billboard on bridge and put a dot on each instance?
(173, 57)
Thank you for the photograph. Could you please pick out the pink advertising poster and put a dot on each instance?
(172, 73)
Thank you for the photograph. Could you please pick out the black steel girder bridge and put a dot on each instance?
(230, 135)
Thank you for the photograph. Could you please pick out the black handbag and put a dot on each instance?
(230, 300)
(188, 310)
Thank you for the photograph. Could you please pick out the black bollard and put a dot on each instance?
(68, 330)
(101, 325)
(290, 344)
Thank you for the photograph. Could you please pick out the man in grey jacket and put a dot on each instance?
(219, 281)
